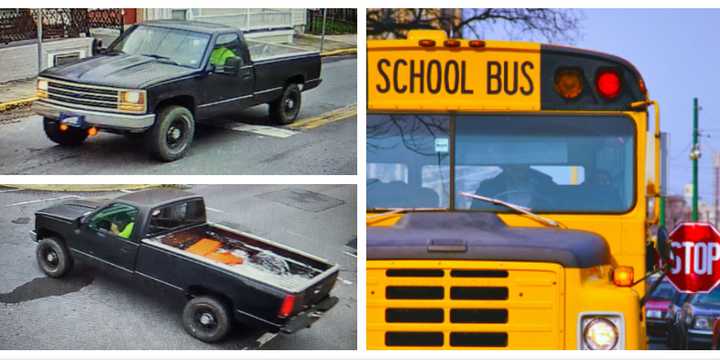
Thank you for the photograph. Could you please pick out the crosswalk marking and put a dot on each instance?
(277, 132)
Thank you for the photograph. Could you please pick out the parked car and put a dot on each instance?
(160, 77)
(716, 335)
(693, 328)
(162, 237)
(659, 310)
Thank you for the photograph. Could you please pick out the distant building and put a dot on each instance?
(276, 25)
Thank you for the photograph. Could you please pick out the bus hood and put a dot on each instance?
(71, 209)
(482, 236)
(120, 71)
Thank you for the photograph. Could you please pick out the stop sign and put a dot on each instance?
(694, 257)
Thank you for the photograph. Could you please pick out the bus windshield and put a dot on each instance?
(547, 163)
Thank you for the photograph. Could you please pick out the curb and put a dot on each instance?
(81, 187)
(338, 52)
(13, 104)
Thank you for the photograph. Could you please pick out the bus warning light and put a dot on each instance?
(608, 84)
(452, 43)
(426, 43)
(568, 83)
(477, 43)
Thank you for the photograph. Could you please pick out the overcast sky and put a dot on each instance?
(678, 54)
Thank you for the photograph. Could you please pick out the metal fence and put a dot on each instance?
(21, 24)
(337, 21)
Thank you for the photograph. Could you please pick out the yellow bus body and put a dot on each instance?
(545, 300)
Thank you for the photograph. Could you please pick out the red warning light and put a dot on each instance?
(608, 84)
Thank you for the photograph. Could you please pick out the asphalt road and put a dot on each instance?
(242, 144)
(93, 309)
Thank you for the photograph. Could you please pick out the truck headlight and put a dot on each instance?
(42, 88)
(131, 100)
(601, 332)
(701, 323)
(131, 97)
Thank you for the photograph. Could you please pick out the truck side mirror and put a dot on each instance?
(231, 67)
(97, 47)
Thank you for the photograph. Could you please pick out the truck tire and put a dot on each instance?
(70, 137)
(286, 108)
(172, 134)
(53, 257)
(206, 318)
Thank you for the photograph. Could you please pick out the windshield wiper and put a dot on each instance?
(391, 211)
(512, 206)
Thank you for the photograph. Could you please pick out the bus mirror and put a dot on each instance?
(662, 244)
(652, 189)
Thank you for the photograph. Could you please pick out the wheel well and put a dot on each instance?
(296, 79)
(185, 101)
(199, 290)
(45, 233)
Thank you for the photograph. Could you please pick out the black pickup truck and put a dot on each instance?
(160, 77)
(161, 236)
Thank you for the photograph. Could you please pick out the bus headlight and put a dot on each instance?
(701, 323)
(601, 332)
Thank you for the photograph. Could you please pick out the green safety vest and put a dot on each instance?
(220, 55)
(127, 231)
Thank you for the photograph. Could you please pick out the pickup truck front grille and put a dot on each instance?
(85, 96)
(431, 304)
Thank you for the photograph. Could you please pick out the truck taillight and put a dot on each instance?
(287, 306)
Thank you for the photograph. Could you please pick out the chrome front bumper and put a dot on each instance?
(100, 119)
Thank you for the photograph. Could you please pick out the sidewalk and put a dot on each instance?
(16, 94)
(332, 44)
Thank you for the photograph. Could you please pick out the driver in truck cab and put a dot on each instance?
(122, 226)
(222, 52)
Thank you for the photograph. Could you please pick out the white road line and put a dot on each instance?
(126, 191)
(261, 130)
(42, 200)
(265, 338)
(346, 282)
(215, 210)
(350, 254)
(10, 190)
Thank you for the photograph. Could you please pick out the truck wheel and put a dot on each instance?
(172, 134)
(285, 109)
(53, 257)
(206, 319)
(70, 137)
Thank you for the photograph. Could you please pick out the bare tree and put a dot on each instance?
(550, 25)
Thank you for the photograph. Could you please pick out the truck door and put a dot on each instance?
(223, 91)
(108, 235)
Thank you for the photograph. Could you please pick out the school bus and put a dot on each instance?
(508, 198)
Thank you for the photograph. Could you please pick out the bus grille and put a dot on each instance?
(83, 96)
(464, 305)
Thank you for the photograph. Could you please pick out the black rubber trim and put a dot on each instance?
(479, 339)
(414, 315)
(479, 316)
(479, 293)
(415, 273)
(415, 292)
(415, 338)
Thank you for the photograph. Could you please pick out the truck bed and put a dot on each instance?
(248, 255)
(261, 51)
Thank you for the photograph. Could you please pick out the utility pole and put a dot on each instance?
(39, 39)
(695, 156)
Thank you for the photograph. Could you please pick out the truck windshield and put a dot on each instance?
(184, 48)
(574, 164)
